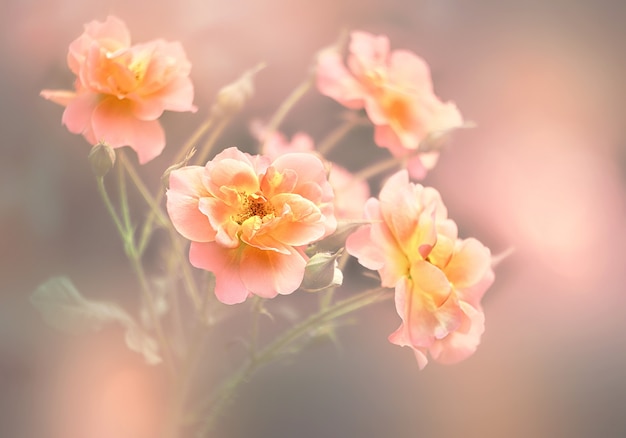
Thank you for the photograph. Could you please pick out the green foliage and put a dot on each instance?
(64, 308)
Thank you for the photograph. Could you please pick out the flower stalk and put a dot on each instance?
(275, 349)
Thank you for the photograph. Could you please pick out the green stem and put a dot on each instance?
(189, 144)
(257, 309)
(143, 191)
(149, 300)
(202, 129)
(377, 168)
(205, 151)
(126, 233)
(333, 138)
(433, 143)
(272, 350)
(110, 209)
(155, 210)
(123, 196)
(289, 102)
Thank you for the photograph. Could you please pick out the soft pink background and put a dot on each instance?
(543, 172)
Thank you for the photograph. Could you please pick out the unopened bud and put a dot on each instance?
(231, 98)
(102, 158)
(321, 272)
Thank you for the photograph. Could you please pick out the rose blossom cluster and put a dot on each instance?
(251, 218)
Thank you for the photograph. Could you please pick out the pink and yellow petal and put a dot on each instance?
(307, 167)
(410, 71)
(368, 52)
(469, 264)
(78, 112)
(268, 273)
(301, 221)
(334, 80)
(431, 310)
(224, 263)
(112, 122)
(177, 95)
(462, 343)
(233, 173)
(60, 97)
(359, 245)
(275, 182)
(185, 190)
(220, 218)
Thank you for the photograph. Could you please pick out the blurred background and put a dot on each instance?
(544, 172)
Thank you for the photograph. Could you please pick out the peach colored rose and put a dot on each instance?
(438, 278)
(350, 194)
(250, 218)
(396, 91)
(122, 89)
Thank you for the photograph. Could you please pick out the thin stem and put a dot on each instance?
(272, 350)
(434, 142)
(289, 103)
(205, 151)
(152, 311)
(257, 309)
(341, 308)
(187, 276)
(110, 209)
(377, 168)
(143, 190)
(189, 144)
(202, 129)
(333, 138)
(126, 233)
(123, 196)
(299, 91)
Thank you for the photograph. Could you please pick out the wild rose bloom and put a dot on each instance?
(350, 194)
(396, 91)
(249, 219)
(438, 278)
(122, 89)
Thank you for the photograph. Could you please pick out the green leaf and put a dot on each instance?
(64, 308)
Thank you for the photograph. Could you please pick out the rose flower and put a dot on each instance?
(122, 89)
(438, 278)
(249, 219)
(396, 91)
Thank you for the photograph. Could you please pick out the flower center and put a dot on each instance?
(124, 70)
(253, 205)
(397, 109)
(375, 79)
